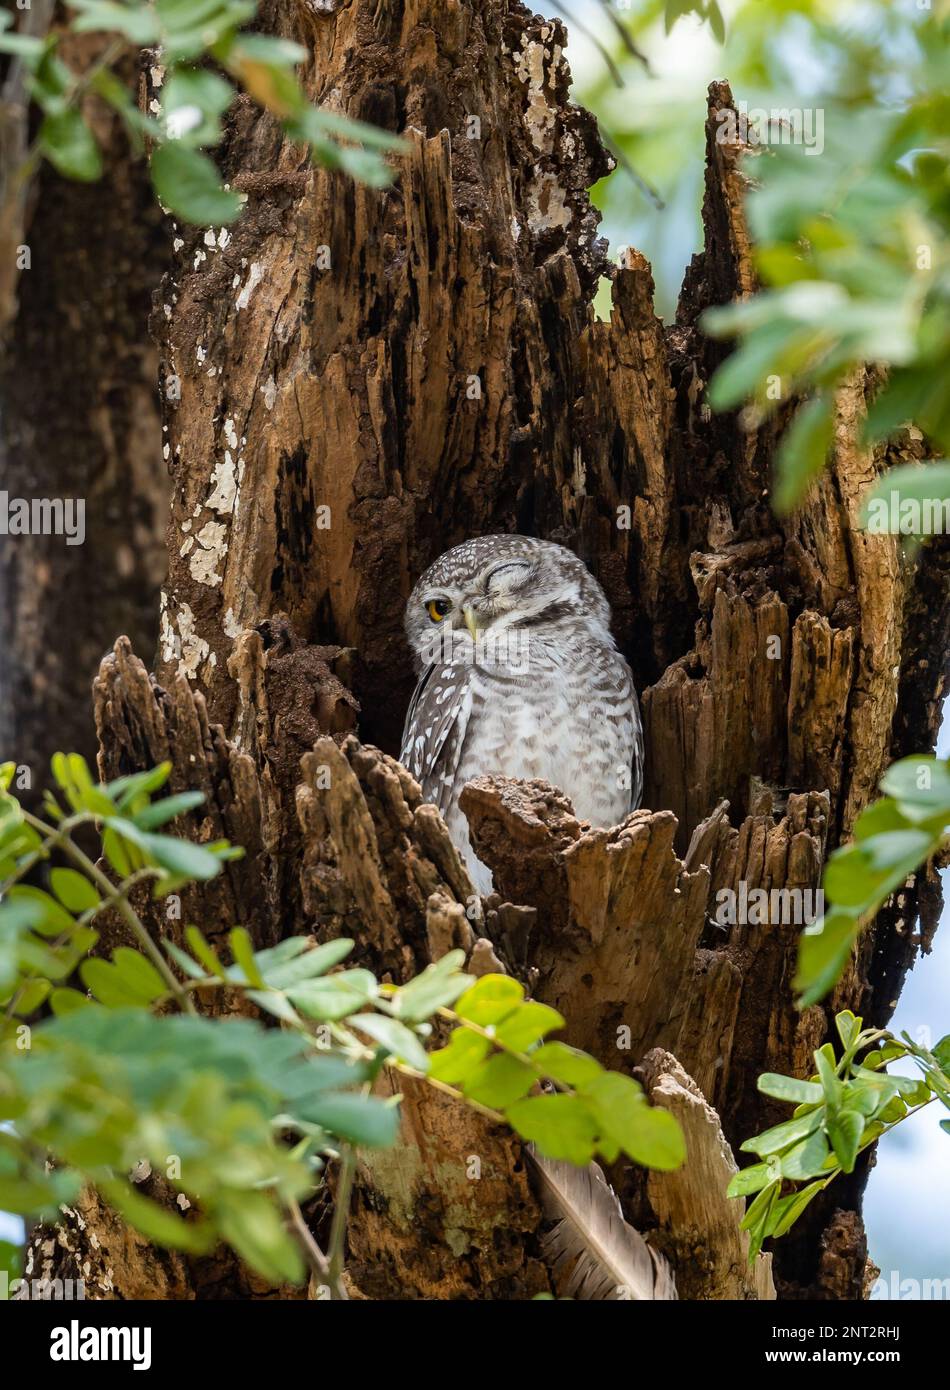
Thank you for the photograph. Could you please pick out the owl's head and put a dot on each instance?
(493, 584)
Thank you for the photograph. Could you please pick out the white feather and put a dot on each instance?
(603, 1256)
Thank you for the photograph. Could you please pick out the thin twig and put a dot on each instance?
(626, 38)
(315, 1257)
(589, 33)
(341, 1211)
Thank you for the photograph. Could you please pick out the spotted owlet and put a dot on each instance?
(519, 676)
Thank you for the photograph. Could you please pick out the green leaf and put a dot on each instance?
(138, 975)
(566, 1064)
(318, 121)
(752, 1179)
(268, 48)
(65, 1001)
(770, 1083)
(803, 451)
(242, 948)
(491, 999)
(155, 1222)
(863, 873)
(335, 996)
(437, 987)
(807, 1159)
(296, 959)
(360, 1119)
(527, 1025)
(782, 1136)
(180, 858)
(758, 1220)
(73, 890)
(845, 1129)
(395, 1037)
(84, 794)
(648, 1134)
(160, 812)
(921, 787)
(849, 1027)
(560, 1126)
(116, 853)
(109, 987)
(831, 1085)
(193, 101)
(789, 1209)
(49, 918)
(463, 1053)
(135, 22)
(499, 1081)
(189, 185)
(204, 953)
(124, 790)
(185, 962)
(29, 996)
(251, 1224)
(716, 22)
(273, 1002)
(823, 952)
(25, 46)
(912, 496)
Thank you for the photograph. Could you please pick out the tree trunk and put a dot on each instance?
(80, 420)
(355, 380)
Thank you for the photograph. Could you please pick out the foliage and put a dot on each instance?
(240, 1117)
(653, 113)
(845, 1106)
(201, 50)
(853, 247)
(892, 838)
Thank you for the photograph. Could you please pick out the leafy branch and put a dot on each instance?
(893, 837)
(853, 249)
(241, 1117)
(202, 56)
(843, 1108)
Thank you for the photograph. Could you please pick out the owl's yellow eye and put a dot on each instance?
(437, 609)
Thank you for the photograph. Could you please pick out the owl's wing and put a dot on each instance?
(636, 779)
(435, 730)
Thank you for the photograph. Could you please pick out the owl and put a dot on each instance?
(519, 676)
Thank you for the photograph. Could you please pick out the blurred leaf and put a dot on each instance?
(803, 451)
(73, 890)
(499, 1081)
(399, 1040)
(189, 185)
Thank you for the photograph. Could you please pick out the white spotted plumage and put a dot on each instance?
(519, 676)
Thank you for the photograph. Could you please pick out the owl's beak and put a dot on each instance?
(471, 622)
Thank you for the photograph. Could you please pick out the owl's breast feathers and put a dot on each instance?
(568, 714)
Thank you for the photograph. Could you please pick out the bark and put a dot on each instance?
(325, 355)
